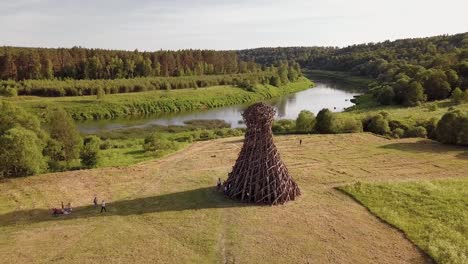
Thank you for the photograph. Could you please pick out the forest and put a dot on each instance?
(80, 63)
(406, 71)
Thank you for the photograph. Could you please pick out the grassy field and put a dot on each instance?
(132, 104)
(433, 214)
(167, 211)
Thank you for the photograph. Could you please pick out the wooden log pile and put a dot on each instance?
(259, 175)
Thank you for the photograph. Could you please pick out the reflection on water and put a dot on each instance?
(323, 95)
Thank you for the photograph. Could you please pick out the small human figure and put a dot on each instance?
(63, 208)
(69, 207)
(95, 201)
(225, 189)
(218, 184)
(300, 141)
(103, 206)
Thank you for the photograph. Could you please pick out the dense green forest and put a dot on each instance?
(81, 63)
(407, 71)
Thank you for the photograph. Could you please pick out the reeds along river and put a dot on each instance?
(326, 94)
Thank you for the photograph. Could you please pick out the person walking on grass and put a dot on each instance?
(103, 206)
(95, 201)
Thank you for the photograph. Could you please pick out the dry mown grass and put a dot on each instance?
(167, 211)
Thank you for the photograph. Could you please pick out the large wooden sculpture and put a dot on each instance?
(259, 175)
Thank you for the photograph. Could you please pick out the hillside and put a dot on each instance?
(168, 211)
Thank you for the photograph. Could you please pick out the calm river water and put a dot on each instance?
(326, 94)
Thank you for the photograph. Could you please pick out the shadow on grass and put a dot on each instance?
(428, 146)
(196, 199)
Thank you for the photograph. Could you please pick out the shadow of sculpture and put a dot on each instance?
(196, 199)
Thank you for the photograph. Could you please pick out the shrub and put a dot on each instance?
(90, 152)
(305, 121)
(453, 128)
(378, 124)
(156, 143)
(325, 122)
(398, 133)
(430, 126)
(349, 125)
(11, 92)
(20, 153)
(457, 96)
(418, 131)
(433, 107)
(206, 135)
(284, 126)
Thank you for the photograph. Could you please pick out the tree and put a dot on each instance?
(20, 153)
(414, 94)
(63, 130)
(305, 121)
(452, 128)
(386, 95)
(325, 122)
(457, 96)
(90, 152)
(436, 85)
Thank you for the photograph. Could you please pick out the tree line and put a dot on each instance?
(407, 71)
(276, 75)
(80, 63)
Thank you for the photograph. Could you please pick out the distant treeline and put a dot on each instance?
(407, 71)
(81, 63)
(274, 75)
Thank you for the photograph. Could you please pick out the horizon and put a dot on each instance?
(182, 24)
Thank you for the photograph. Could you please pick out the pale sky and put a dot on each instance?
(221, 24)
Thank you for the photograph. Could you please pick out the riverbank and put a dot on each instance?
(144, 103)
(351, 81)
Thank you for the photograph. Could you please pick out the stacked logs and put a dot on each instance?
(259, 175)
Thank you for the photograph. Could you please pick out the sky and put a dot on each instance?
(222, 24)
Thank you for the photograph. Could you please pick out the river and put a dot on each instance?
(326, 94)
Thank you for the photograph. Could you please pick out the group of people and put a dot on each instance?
(68, 209)
(63, 210)
(226, 186)
(103, 204)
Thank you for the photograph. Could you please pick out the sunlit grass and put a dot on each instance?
(433, 214)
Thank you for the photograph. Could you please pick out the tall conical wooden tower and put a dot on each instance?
(259, 175)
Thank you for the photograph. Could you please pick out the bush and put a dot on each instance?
(398, 133)
(305, 122)
(325, 122)
(433, 107)
(430, 126)
(90, 152)
(20, 153)
(284, 126)
(378, 124)
(349, 125)
(453, 128)
(157, 143)
(418, 131)
(457, 96)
